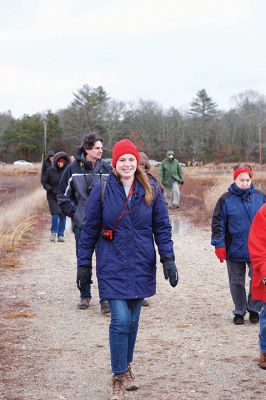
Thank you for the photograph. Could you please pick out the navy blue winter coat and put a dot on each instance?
(126, 266)
(232, 218)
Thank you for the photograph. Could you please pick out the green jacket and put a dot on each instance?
(170, 171)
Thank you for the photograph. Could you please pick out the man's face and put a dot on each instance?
(171, 157)
(95, 153)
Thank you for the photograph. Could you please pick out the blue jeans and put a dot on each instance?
(262, 334)
(58, 224)
(123, 331)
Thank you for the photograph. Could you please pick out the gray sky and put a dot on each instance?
(163, 50)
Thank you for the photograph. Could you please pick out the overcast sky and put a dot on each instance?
(163, 50)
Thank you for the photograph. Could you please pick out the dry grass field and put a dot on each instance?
(22, 210)
(204, 185)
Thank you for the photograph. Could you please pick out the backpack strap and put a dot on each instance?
(103, 189)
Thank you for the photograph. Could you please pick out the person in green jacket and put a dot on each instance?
(171, 176)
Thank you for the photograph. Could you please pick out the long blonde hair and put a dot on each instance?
(142, 177)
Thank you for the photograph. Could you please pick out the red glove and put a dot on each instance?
(220, 253)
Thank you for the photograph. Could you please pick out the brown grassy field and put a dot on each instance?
(204, 185)
(22, 210)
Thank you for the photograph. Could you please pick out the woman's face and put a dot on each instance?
(60, 164)
(243, 180)
(126, 166)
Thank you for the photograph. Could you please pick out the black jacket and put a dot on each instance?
(50, 181)
(76, 184)
(46, 162)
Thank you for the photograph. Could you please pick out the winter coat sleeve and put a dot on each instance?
(45, 181)
(66, 194)
(219, 221)
(178, 176)
(161, 226)
(91, 226)
(257, 242)
(180, 172)
(43, 170)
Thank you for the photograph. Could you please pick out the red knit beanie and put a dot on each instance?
(240, 170)
(124, 146)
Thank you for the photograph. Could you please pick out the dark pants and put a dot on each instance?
(237, 280)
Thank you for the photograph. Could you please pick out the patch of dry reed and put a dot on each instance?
(17, 219)
(207, 183)
(211, 195)
(19, 170)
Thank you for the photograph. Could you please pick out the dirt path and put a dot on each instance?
(188, 347)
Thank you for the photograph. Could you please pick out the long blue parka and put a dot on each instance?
(232, 218)
(125, 266)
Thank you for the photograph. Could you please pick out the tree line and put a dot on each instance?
(203, 132)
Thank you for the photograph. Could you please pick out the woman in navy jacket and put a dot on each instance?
(123, 219)
(231, 222)
(50, 181)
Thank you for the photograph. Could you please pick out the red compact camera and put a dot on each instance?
(107, 234)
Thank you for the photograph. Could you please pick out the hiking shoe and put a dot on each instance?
(53, 237)
(254, 317)
(145, 303)
(129, 380)
(61, 239)
(238, 319)
(262, 361)
(84, 303)
(118, 388)
(105, 309)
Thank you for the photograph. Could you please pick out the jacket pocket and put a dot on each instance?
(78, 216)
(238, 250)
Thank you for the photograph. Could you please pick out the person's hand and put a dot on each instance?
(83, 277)
(170, 272)
(181, 182)
(220, 253)
(264, 280)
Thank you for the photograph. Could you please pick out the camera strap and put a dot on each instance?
(126, 205)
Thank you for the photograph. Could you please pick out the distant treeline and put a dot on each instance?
(203, 132)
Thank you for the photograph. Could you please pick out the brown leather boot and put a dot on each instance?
(129, 380)
(262, 361)
(118, 388)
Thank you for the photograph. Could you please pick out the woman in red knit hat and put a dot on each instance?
(231, 221)
(124, 224)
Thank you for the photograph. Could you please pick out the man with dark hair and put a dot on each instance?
(75, 186)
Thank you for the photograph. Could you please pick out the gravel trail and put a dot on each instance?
(187, 346)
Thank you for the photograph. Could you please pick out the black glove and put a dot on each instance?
(83, 276)
(181, 182)
(170, 272)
